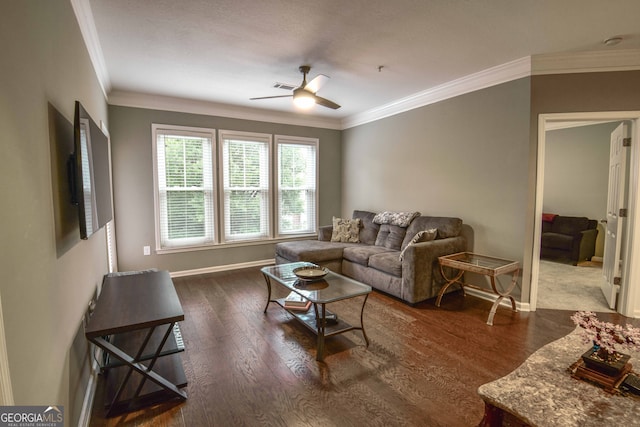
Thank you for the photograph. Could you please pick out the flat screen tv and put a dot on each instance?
(90, 173)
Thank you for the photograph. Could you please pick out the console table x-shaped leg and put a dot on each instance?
(135, 364)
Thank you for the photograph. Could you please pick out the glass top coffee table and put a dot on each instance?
(320, 292)
(491, 267)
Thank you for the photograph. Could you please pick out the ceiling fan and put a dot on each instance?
(304, 95)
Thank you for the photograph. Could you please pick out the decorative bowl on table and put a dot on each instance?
(310, 272)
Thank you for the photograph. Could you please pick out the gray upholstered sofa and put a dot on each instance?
(375, 259)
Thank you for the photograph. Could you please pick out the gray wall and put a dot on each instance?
(474, 156)
(133, 186)
(465, 157)
(576, 171)
(573, 93)
(44, 295)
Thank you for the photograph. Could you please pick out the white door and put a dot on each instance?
(615, 202)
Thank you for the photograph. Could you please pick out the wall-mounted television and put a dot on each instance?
(90, 173)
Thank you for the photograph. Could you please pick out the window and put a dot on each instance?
(185, 196)
(296, 185)
(246, 189)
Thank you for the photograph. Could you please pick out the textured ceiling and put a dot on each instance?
(226, 51)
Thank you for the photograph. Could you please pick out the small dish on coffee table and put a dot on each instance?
(310, 273)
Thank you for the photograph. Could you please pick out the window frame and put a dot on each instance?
(223, 211)
(211, 233)
(313, 219)
(215, 221)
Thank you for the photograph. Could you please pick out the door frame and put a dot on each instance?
(629, 297)
(6, 391)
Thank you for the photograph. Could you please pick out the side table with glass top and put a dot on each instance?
(491, 267)
(331, 288)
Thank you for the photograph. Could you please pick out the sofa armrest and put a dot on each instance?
(421, 276)
(324, 233)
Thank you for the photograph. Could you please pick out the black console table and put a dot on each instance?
(135, 323)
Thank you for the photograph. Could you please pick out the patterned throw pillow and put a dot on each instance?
(421, 236)
(401, 219)
(346, 230)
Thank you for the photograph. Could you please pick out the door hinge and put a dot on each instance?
(626, 142)
(617, 280)
(623, 213)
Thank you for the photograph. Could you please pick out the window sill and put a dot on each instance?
(218, 246)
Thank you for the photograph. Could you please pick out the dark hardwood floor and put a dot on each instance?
(423, 367)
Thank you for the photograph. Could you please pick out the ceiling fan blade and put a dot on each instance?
(315, 84)
(269, 97)
(326, 103)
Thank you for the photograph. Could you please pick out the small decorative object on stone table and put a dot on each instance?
(603, 364)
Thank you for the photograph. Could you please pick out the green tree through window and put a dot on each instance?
(185, 186)
(246, 188)
(296, 172)
(185, 192)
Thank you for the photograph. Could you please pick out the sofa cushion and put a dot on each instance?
(391, 236)
(569, 224)
(557, 241)
(401, 219)
(447, 227)
(421, 236)
(387, 262)
(346, 230)
(368, 228)
(311, 250)
(360, 254)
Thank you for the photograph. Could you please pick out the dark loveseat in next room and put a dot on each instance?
(568, 239)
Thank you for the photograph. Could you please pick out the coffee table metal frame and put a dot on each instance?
(331, 288)
(491, 267)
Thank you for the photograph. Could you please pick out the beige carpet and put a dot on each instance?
(568, 287)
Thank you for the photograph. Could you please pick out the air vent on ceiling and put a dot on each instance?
(284, 86)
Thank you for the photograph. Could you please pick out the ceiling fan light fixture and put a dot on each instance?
(303, 99)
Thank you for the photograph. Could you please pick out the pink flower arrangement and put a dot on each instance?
(606, 336)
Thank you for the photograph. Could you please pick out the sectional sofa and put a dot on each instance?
(394, 252)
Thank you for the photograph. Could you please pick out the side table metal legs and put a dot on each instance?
(502, 295)
(493, 278)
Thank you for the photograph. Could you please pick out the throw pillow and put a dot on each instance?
(369, 230)
(421, 236)
(346, 230)
(401, 219)
(391, 236)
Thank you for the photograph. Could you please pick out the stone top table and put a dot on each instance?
(542, 392)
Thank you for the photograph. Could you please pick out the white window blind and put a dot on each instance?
(297, 179)
(246, 185)
(185, 187)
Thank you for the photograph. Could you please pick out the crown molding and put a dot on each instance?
(84, 16)
(560, 63)
(490, 77)
(586, 62)
(557, 63)
(167, 103)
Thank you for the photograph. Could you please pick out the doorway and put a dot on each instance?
(575, 185)
(629, 297)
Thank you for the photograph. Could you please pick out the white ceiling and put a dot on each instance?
(226, 51)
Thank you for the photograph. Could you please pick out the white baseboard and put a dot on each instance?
(87, 405)
(488, 296)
